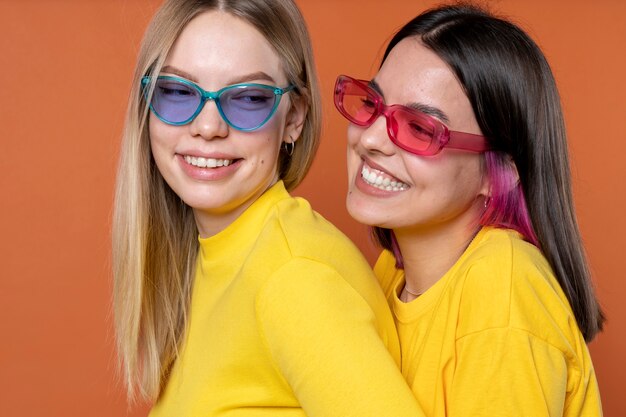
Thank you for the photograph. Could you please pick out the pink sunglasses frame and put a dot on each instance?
(442, 137)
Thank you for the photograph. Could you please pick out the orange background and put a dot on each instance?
(65, 74)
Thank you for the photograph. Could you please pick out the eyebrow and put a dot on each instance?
(424, 108)
(253, 76)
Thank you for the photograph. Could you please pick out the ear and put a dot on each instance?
(513, 177)
(485, 189)
(295, 118)
(504, 179)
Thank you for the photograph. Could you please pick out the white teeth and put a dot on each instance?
(207, 162)
(379, 180)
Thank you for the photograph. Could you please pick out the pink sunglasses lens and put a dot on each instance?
(356, 103)
(413, 132)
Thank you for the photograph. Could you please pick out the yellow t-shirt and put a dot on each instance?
(286, 319)
(495, 336)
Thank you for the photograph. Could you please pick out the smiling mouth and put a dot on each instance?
(380, 180)
(201, 162)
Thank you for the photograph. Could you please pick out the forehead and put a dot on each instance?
(412, 73)
(216, 46)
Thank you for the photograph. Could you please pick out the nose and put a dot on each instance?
(375, 137)
(209, 123)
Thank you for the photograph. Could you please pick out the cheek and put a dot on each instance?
(470, 169)
(156, 144)
(267, 151)
(160, 136)
(353, 156)
(353, 134)
(445, 173)
(275, 127)
(466, 177)
(353, 162)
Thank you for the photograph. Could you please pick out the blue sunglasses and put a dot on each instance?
(245, 107)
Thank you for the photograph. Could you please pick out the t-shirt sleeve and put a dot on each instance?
(518, 350)
(507, 372)
(324, 340)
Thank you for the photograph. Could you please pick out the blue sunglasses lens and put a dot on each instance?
(244, 107)
(175, 102)
(247, 106)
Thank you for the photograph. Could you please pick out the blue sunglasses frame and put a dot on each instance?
(214, 96)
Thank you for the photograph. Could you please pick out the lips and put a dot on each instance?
(381, 180)
(205, 168)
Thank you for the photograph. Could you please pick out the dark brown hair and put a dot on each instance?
(516, 103)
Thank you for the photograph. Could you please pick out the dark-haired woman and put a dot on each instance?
(457, 158)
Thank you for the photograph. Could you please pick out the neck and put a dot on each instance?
(429, 253)
(211, 221)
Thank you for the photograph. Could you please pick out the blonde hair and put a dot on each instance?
(154, 232)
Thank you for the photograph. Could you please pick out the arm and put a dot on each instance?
(324, 340)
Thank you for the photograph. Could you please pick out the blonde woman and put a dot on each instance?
(233, 298)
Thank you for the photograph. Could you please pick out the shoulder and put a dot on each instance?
(302, 281)
(309, 293)
(507, 283)
(313, 252)
(501, 260)
(504, 248)
(308, 235)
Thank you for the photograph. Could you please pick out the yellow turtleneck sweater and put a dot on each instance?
(286, 319)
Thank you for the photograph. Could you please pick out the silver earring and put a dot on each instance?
(487, 201)
(289, 147)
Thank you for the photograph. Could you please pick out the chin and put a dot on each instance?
(364, 213)
(198, 201)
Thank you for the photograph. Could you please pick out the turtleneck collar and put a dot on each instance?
(236, 240)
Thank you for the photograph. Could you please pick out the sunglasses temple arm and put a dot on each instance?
(468, 142)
